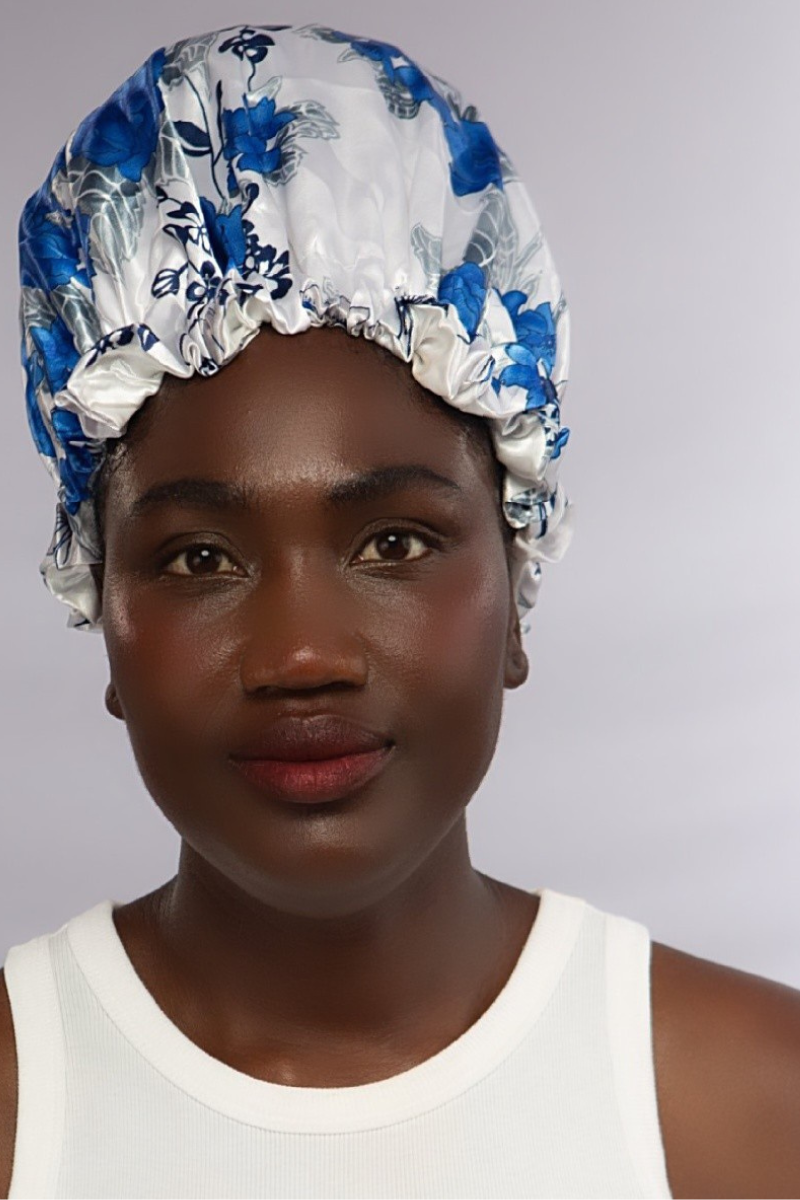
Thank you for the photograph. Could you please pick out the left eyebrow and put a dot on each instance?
(357, 489)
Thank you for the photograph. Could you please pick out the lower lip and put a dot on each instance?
(313, 782)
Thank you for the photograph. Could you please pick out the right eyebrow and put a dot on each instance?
(357, 489)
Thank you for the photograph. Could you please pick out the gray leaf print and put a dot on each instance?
(115, 207)
(169, 160)
(493, 245)
(312, 120)
(398, 99)
(77, 309)
(36, 308)
(184, 56)
(428, 250)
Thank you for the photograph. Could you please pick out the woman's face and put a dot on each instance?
(303, 606)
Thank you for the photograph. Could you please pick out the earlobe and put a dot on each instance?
(517, 665)
(112, 703)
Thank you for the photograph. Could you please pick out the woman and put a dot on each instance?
(309, 557)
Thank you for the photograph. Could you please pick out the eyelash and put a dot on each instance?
(429, 539)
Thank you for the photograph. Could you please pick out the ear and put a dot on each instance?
(517, 665)
(112, 703)
(112, 699)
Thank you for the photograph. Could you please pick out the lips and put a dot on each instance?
(313, 782)
(294, 738)
(311, 760)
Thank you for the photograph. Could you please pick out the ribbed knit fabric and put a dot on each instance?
(550, 1093)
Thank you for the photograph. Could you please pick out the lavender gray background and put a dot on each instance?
(650, 763)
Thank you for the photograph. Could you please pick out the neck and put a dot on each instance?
(398, 978)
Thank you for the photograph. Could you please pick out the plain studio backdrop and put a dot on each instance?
(650, 762)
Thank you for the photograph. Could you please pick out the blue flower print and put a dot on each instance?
(55, 356)
(123, 132)
(123, 336)
(523, 372)
(465, 287)
(147, 338)
(234, 243)
(248, 44)
(536, 343)
(535, 328)
(225, 234)
(562, 437)
(203, 288)
(168, 281)
(76, 468)
(475, 160)
(49, 251)
(248, 133)
(271, 265)
(34, 374)
(48, 255)
(111, 341)
(57, 353)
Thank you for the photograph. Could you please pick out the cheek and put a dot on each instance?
(458, 667)
(168, 672)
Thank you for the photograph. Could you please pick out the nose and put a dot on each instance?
(302, 633)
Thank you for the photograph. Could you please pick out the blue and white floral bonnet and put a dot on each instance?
(294, 177)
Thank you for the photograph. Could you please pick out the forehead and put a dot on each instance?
(294, 405)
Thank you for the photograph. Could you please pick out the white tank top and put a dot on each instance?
(551, 1092)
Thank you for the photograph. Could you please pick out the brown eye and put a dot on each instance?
(200, 559)
(392, 545)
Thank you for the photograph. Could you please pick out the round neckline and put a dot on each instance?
(109, 972)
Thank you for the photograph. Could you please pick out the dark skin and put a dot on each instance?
(341, 945)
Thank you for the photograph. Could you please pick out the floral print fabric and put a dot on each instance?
(296, 177)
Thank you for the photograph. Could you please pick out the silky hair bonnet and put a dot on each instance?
(295, 177)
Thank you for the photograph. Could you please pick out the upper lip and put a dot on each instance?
(293, 738)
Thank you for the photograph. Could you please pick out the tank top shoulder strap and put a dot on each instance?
(628, 951)
(36, 1013)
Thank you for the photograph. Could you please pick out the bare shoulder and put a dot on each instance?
(8, 1088)
(727, 1061)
